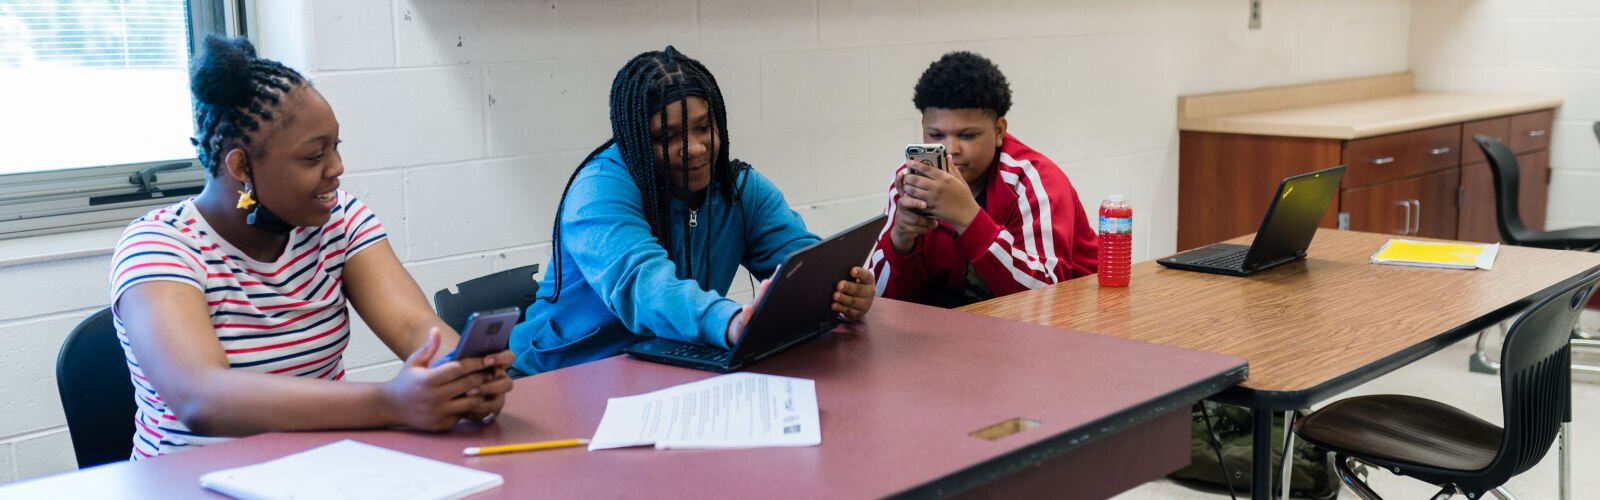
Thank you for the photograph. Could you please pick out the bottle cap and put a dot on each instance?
(1115, 197)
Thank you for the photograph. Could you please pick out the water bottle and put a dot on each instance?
(1116, 241)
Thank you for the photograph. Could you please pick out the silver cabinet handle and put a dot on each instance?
(1439, 151)
(1535, 133)
(1405, 227)
(1418, 214)
(1384, 160)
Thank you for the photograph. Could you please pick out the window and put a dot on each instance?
(96, 106)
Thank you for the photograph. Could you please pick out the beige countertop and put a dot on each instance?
(1370, 117)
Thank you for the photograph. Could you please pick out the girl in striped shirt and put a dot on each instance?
(232, 315)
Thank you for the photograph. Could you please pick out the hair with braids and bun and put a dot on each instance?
(646, 85)
(963, 80)
(234, 93)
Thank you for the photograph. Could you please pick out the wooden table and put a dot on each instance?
(1310, 329)
(899, 393)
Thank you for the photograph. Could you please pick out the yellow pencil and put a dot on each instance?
(513, 448)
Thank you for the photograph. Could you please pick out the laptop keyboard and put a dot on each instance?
(1232, 260)
(711, 354)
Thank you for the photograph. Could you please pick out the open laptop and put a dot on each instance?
(797, 307)
(1285, 233)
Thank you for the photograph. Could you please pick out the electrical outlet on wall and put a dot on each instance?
(1255, 14)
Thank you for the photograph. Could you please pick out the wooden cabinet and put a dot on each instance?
(1420, 206)
(1429, 182)
(1528, 136)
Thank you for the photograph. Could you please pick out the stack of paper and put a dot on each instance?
(1445, 254)
(349, 469)
(740, 410)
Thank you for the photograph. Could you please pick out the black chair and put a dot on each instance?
(1503, 168)
(96, 392)
(1453, 449)
(512, 287)
(1506, 174)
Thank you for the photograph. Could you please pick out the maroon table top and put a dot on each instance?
(899, 393)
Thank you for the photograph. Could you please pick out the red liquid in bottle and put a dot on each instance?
(1116, 241)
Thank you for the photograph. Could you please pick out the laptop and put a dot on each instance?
(797, 307)
(1285, 233)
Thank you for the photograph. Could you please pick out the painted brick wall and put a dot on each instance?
(1530, 47)
(463, 119)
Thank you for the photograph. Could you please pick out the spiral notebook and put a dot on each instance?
(350, 469)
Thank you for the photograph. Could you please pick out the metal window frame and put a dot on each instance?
(55, 201)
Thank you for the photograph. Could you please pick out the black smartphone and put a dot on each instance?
(487, 332)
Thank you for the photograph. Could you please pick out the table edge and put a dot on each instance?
(1298, 399)
(1034, 454)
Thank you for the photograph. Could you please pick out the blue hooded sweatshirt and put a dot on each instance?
(618, 286)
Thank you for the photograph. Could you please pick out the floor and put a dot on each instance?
(1444, 377)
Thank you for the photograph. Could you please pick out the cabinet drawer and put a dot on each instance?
(1530, 131)
(1389, 157)
(1498, 128)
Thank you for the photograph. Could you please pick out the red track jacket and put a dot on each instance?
(1032, 232)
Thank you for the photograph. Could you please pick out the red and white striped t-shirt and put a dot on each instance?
(286, 317)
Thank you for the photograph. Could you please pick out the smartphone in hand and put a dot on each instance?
(931, 155)
(487, 332)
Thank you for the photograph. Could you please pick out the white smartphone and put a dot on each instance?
(927, 154)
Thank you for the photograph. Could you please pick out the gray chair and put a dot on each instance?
(1453, 449)
(512, 287)
(96, 392)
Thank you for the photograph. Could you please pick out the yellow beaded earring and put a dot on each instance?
(245, 199)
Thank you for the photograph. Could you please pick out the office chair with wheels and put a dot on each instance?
(1506, 174)
(512, 287)
(96, 392)
(1453, 449)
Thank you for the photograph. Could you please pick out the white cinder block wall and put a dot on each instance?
(463, 119)
(1549, 47)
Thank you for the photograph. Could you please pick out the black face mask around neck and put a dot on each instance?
(263, 219)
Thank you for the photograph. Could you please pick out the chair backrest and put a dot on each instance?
(1535, 380)
(96, 392)
(512, 287)
(1503, 168)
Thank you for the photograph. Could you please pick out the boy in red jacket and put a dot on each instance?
(1003, 220)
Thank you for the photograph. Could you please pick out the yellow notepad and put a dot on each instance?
(1445, 254)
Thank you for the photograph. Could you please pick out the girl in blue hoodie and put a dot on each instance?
(654, 224)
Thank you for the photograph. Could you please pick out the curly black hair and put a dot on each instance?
(963, 80)
(234, 93)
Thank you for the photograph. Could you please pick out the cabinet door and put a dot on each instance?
(1478, 209)
(1533, 193)
(1421, 206)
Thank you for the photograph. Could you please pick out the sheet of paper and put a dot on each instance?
(347, 470)
(739, 410)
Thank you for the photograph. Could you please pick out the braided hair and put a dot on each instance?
(234, 94)
(645, 85)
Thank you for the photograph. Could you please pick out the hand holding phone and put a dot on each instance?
(487, 332)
